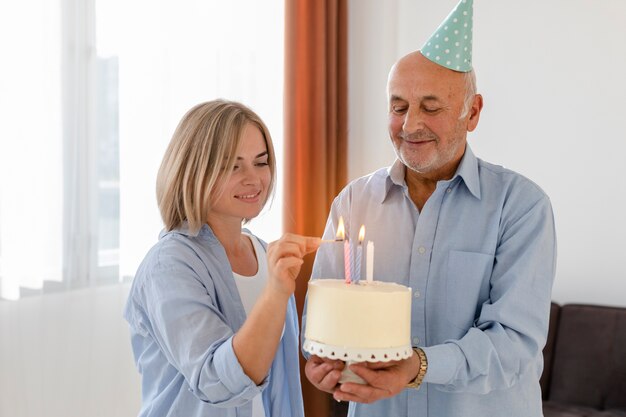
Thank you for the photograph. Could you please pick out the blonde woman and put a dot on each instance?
(213, 321)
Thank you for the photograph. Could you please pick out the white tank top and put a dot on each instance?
(251, 287)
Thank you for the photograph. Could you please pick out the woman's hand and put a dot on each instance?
(256, 341)
(284, 259)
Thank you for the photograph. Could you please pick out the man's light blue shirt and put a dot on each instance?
(480, 260)
(183, 310)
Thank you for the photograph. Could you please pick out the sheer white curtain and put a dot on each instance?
(31, 146)
(90, 93)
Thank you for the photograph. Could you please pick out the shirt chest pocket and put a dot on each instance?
(467, 286)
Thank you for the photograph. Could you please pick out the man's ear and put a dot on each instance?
(477, 106)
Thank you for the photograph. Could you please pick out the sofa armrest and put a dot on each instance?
(548, 351)
(589, 359)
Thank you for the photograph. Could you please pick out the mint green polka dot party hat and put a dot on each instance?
(451, 44)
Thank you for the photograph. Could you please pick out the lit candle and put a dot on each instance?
(341, 230)
(359, 255)
(341, 235)
(346, 260)
(369, 265)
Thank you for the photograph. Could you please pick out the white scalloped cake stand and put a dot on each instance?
(352, 355)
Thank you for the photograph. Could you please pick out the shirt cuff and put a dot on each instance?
(231, 373)
(443, 362)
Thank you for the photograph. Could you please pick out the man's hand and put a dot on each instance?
(384, 380)
(323, 373)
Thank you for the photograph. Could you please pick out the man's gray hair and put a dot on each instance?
(470, 92)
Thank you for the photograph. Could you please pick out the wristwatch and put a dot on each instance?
(415, 384)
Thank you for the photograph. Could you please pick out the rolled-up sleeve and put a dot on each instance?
(192, 333)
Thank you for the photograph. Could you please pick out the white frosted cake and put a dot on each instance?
(364, 321)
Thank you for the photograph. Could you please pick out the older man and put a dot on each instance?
(474, 241)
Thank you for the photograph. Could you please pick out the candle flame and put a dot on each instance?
(341, 230)
(361, 234)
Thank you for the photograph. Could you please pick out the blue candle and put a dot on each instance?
(359, 255)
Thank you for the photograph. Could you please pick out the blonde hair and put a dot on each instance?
(200, 155)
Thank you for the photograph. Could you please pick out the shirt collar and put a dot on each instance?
(467, 171)
(204, 232)
(394, 178)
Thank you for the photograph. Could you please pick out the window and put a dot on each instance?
(95, 90)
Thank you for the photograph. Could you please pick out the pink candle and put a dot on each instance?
(342, 235)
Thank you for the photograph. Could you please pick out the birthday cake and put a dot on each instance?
(363, 321)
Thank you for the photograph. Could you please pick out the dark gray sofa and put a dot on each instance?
(585, 362)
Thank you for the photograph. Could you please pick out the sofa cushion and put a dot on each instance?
(589, 363)
(556, 409)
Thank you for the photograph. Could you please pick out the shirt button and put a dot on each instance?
(416, 341)
(416, 294)
(421, 249)
(449, 190)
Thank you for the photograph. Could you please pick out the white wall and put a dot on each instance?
(553, 83)
(67, 355)
(552, 76)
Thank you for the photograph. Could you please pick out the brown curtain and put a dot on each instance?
(316, 120)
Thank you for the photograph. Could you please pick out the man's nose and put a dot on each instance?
(412, 121)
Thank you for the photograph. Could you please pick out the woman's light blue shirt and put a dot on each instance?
(183, 310)
(480, 259)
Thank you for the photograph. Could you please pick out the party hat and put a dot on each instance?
(451, 44)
